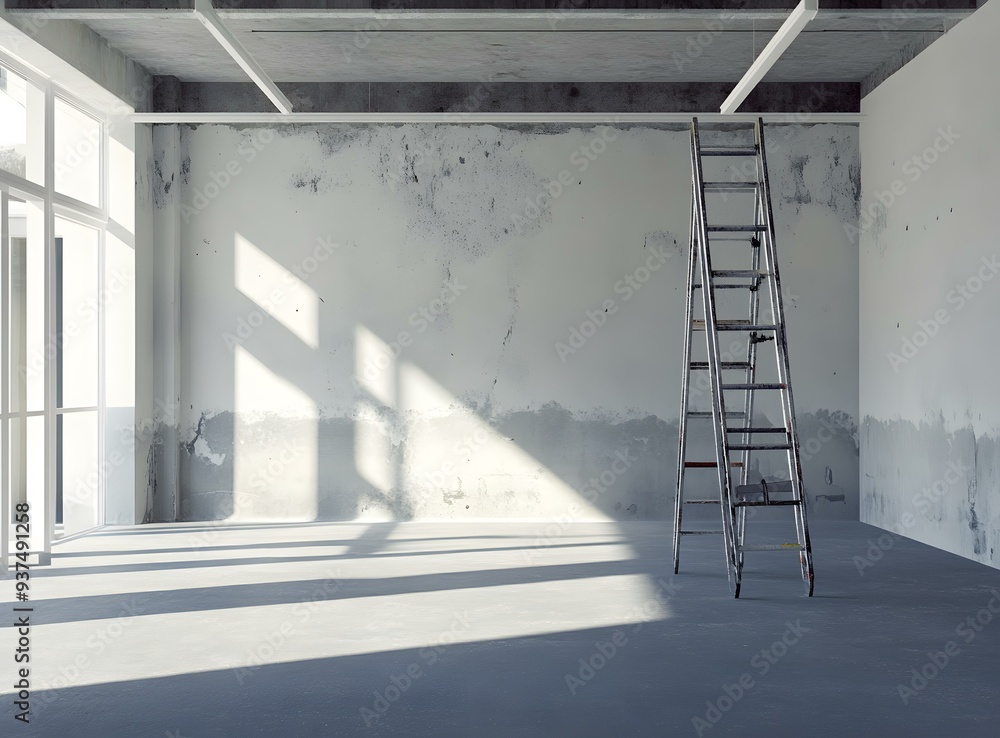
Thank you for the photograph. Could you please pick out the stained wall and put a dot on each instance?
(930, 296)
(471, 321)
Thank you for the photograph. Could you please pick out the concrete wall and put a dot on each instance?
(381, 321)
(930, 296)
(145, 416)
(165, 320)
(493, 96)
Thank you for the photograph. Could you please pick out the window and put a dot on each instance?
(77, 314)
(22, 106)
(53, 214)
(78, 150)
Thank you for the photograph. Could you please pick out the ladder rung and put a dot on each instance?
(727, 151)
(708, 464)
(700, 532)
(729, 186)
(708, 414)
(728, 286)
(759, 446)
(733, 325)
(784, 486)
(701, 502)
(756, 386)
(755, 429)
(725, 365)
(773, 547)
(740, 273)
(736, 228)
(769, 503)
(743, 325)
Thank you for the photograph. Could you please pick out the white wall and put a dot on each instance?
(312, 385)
(930, 295)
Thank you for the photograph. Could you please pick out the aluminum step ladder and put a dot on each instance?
(733, 378)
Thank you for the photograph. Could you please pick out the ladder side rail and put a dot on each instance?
(751, 371)
(719, 418)
(715, 367)
(781, 347)
(685, 383)
(754, 309)
(781, 340)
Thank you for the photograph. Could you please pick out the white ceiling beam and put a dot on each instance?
(804, 12)
(204, 11)
(480, 118)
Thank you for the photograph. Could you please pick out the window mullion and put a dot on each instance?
(45, 519)
(101, 384)
(5, 421)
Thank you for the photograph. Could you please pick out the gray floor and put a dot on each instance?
(412, 629)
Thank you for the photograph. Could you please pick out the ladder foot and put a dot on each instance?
(808, 579)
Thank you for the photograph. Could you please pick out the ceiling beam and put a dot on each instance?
(804, 12)
(544, 6)
(204, 11)
(924, 16)
(480, 118)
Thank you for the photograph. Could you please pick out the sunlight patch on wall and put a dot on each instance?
(374, 366)
(281, 294)
(456, 457)
(275, 436)
(373, 451)
(121, 179)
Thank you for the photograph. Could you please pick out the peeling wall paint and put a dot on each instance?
(930, 294)
(371, 318)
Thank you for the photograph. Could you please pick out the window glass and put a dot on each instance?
(77, 322)
(26, 305)
(77, 154)
(22, 127)
(77, 471)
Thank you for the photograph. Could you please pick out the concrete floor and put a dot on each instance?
(414, 629)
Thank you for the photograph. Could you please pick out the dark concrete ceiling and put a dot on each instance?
(671, 47)
(551, 41)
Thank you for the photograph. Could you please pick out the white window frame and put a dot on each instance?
(55, 204)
